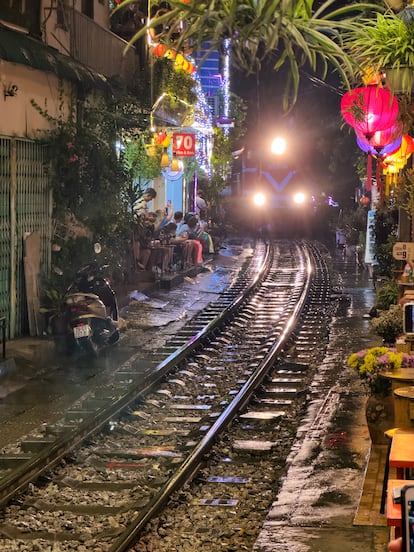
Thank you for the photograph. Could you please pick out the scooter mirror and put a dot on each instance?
(97, 248)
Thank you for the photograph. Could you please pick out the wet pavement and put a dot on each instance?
(318, 505)
(38, 383)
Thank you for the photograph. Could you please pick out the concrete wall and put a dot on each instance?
(18, 117)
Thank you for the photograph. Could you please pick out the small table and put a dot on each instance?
(402, 451)
(399, 378)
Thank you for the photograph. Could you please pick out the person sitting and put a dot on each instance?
(206, 234)
(144, 244)
(188, 248)
(197, 233)
(163, 216)
(141, 205)
(164, 249)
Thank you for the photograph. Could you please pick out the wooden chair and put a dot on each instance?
(400, 455)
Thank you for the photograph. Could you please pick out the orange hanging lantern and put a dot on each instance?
(401, 155)
(407, 145)
(166, 142)
(160, 137)
(159, 49)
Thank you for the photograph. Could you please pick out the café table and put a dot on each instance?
(403, 377)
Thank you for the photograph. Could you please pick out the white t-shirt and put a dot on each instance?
(201, 204)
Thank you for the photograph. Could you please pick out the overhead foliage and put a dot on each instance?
(292, 33)
(382, 43)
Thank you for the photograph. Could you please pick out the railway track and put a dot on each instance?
(159, 434)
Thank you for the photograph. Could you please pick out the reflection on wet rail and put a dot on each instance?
(164, 413)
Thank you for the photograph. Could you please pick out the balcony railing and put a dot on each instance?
(99, 48)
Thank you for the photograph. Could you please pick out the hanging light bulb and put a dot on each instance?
(175, 165)
(165, 160)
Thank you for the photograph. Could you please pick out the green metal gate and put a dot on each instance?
(25, 206)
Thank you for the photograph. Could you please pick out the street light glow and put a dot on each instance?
(278, 146)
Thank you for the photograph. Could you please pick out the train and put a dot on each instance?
(281, 200)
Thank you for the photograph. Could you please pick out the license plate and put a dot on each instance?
(81, 331)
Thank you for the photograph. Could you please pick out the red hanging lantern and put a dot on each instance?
(159, 49)
(369, 109)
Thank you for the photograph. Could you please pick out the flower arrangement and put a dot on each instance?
(369, 363)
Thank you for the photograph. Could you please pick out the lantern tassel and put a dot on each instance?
(368, 185)
(378, 178)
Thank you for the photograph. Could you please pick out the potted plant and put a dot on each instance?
(384, 45)
(379, 410)
(389, 323)
(369, 363)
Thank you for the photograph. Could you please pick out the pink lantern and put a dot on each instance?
(369, 109)
(382, 138)
(386, 150)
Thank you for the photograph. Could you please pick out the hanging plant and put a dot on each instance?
(381, 44)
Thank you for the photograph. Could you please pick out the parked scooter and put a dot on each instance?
(91, 311)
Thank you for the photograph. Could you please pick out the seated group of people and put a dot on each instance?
(173, 240)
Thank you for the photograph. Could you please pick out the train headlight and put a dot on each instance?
(299, 198)
(259, 199)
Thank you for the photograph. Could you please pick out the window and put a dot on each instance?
(87, 8)
(61, 14)
(23, 13)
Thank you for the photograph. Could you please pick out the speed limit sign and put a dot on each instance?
(184, 144)
(403, 251)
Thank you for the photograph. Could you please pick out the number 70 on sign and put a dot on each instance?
(184, 144)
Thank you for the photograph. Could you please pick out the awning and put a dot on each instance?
(21, 48)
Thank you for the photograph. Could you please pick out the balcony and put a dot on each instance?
(99, 48)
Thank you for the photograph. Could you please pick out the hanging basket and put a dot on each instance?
(400, 80)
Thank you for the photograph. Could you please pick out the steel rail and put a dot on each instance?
(195, 458)
(31, 469)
